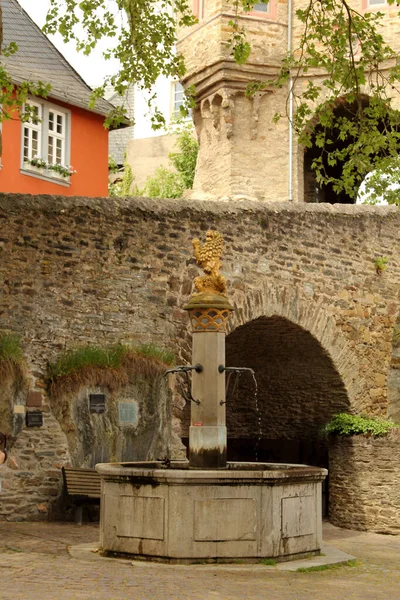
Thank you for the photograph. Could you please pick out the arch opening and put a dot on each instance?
(335, 147)
(299, 390)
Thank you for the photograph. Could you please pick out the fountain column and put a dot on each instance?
(209, 310)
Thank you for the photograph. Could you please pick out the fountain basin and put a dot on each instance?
(180, 514)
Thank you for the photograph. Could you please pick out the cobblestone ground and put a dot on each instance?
(35, 565)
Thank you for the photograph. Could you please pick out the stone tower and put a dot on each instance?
(242, 152)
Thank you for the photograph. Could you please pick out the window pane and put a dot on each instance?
(261, 7)
(376, 2)
(51, 121)
(59, 124)
(59, 152)
(50, 150)
(26, 143)
(34, 143)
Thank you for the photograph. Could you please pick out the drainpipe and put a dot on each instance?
(289, 47)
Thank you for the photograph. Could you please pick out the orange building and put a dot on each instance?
(63, 148)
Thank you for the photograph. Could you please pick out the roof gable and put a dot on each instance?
(38, 59)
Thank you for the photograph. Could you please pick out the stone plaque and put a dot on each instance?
(225, 519)
(298, 516)
(141, 517)
(128, 414)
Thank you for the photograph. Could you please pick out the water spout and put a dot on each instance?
(237, 370)
(185, 369)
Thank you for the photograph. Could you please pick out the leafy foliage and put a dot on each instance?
(60, 169)
(171, 183)
(346, 424)
(381, 263)
(342, 53)
(142, 37)
(123, 187)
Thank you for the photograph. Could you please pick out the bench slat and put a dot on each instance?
(82, 482)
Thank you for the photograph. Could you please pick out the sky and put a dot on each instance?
(92, 68)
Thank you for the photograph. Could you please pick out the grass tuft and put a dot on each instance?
(10, 348)
(269, 562)
(11, 359)
(348, 563)
(113, 367)
(154, 352)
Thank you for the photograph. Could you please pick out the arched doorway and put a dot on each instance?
(299, 389)
(335, 145)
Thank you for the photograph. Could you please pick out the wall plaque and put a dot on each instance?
(97, 403)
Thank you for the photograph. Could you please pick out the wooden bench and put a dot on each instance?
(82, 487)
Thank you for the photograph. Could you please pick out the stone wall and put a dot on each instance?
(364, 482)
(77, 271)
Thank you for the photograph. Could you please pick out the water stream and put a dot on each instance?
(258, 415)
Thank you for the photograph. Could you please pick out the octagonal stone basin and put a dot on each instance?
(247, 511)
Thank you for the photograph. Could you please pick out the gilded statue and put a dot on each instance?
(208, 257)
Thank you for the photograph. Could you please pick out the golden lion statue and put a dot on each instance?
(208, 257)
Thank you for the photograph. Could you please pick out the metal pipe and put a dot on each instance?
(221, 369)
(289, 49)
(185, 369)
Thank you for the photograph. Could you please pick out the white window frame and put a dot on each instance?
(175, 104)
(44, 135)
(375, 3)
(199, 9)
(262, 8)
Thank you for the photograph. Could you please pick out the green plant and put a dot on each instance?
(42, 164)
(268, 562)
(10, 348)
(122, 187)
(12, 360)
(346, 424)
(381, 263)
(156, 353)
(171, 183)
(113, 366)
(38, 162)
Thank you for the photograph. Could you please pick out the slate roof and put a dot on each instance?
(118, 140)
(37, 59)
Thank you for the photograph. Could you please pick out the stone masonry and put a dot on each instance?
(77, 271)
(364, 482)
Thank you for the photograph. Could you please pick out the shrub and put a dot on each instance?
(346, 424)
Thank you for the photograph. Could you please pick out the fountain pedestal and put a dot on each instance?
(208, 314)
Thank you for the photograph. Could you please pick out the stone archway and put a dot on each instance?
(299, 390)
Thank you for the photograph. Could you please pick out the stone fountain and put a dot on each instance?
(207, 509)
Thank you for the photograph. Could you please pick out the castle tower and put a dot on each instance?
(243, 153)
